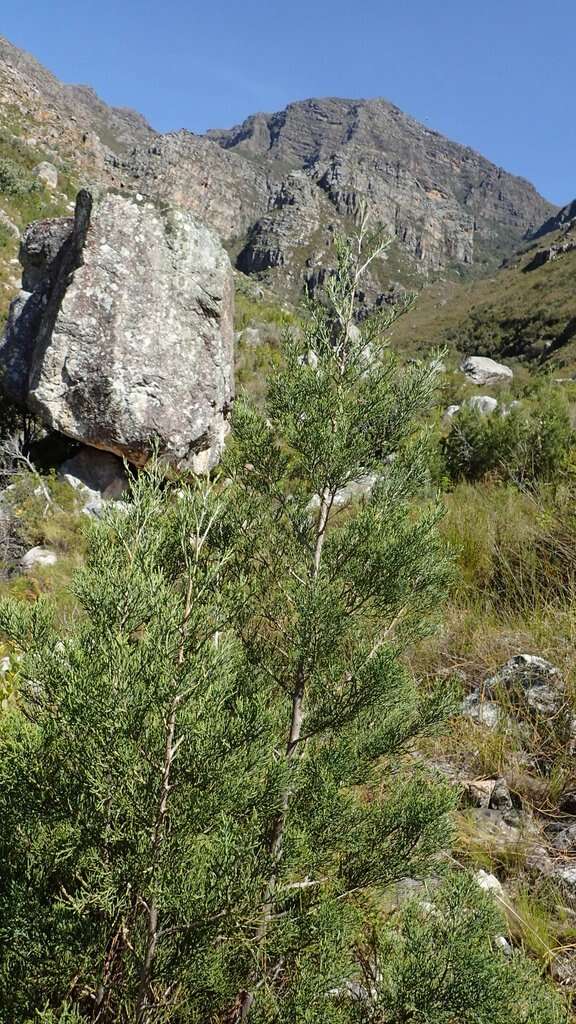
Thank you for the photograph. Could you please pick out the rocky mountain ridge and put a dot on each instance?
(306, 169)
(64, 114)
(279, 187)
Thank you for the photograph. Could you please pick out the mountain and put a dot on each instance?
(563, 218)
(279, 187)
(445, 204)
(63, 113)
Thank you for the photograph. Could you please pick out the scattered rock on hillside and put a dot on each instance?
(492, 793)
(100, 472)
(489, 882)
(484, 371)
(38, 556)
(359, 488)
(449, 414)
(250, 336)
(563, 839)
(567, 803)
(530, 684)
(125, 340)
(97, 476)
(483, 403)
(9, 224)
(548, 255)
(47, 174)
(485, 712)
(540, 681)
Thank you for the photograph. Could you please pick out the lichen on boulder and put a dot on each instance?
(123, 338)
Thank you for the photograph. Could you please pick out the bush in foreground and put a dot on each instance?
(204, 789)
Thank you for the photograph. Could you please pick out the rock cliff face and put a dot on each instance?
(124, 338)
(220, 188)
(445, 204)
(565, 218)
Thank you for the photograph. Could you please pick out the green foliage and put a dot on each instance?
(513, 313)
(204, 783)
(47, 512)
(524, 444)
(485, 332)
(13, 179)
(96, 852)
(250, 309)
(442, 966)
(23, 198)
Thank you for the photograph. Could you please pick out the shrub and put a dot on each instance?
(204, 789)
(441, 965)
(523, 444)
(14, 181)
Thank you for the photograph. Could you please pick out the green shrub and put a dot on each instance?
(442, 966)
(523, 445)
(14, 181)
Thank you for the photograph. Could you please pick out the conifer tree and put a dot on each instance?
(129, 777)
(342, 568)
(207, 784)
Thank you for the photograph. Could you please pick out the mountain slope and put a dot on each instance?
(447, 205)
(527, 310)
(54, 107)
(279, 187)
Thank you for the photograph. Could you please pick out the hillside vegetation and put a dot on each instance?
(237, 774)
(376, 507)
(519, 313)
(24, 198)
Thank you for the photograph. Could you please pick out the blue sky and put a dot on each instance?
(498, 75)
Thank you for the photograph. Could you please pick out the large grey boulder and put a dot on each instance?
(123, 338)
(484, 371)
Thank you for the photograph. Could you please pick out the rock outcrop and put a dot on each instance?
(221, 189)
(442, 202)
(279, 186)
(564, 218)
(526, 689)
(123, 336)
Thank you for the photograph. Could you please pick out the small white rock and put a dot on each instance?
(38, 556)
(484, 404)
(488, 882)
(502, 943)
(47, 174)
(450, 413)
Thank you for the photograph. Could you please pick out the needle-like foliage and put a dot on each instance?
(207, 785)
